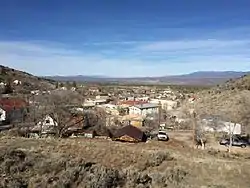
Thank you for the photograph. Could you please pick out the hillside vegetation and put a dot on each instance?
(230, 101)
(28, 81)
(105, 164)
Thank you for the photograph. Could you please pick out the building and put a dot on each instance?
(46, 126)
(2, 115)
(110, 109)
(94, 102)
(128, 103)
(130, 133)
(15, 109)
(211, 125)
(144, 109)
(135, 120)
(103, 96)
(165, 104)
(17, 82)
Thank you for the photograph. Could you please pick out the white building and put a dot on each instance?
(35, 92)
(110, 108)
(2, 115)
(2, 84)
(165, 104)
(221, 126)
(146, 99)
(144, 109)
(47, 124)
(92, 103)
(17, 82)
(102, 97)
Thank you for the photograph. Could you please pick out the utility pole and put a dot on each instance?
(159, 114)
(193, 114)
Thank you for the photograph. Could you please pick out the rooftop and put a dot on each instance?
(132, 102)
(146, 105)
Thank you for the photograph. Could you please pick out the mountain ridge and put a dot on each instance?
(195, 78)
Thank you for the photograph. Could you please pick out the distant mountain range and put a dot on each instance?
(196, 78)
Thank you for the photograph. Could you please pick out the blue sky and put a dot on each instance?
(124, 37)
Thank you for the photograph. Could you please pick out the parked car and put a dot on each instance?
(236, 142)
(162, 136)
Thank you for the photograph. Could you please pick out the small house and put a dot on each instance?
(46, 125)
(17, 82)
(165, 104)
(2, 115)
(130, 133)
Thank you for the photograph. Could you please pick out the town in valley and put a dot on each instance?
(155, 118)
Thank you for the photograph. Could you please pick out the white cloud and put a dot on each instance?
(193, 44)
(175, 57)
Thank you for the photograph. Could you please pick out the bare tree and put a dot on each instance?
(58, 106)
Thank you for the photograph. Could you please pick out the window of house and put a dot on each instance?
(47, 121)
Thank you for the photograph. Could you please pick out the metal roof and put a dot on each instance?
(146, 105)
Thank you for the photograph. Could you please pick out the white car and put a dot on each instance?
(162, 136)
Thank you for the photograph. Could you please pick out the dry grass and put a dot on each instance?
(103, 163)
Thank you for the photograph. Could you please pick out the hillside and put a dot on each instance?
(106, 164)
(28, 82)
(230, 100)
(196, 78)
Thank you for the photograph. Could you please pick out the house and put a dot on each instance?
(144, 109)
(2, 84)
(46, 125)
(211, 125)
(94, 102)
(15, 109)
(103, 96)
(128, 103)
(135, 120)
(130, 133)
(146, 99)
(35, 92)
(110, 109)
(2, 115)
(17, 82)
(73, 89)
(165, 104)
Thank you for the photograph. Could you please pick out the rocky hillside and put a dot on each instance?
(22, 81)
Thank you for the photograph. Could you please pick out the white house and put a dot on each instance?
(146, 99)
(17, 82)
(2, 84)
(102, 97)
(63, 88)
(92, 103)
(144, 109)
(165, 104)
(167, 91)
(35, 92)
(2, 115)
(47, 124)
(221, 126)
(110, 108)
(73, 89)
